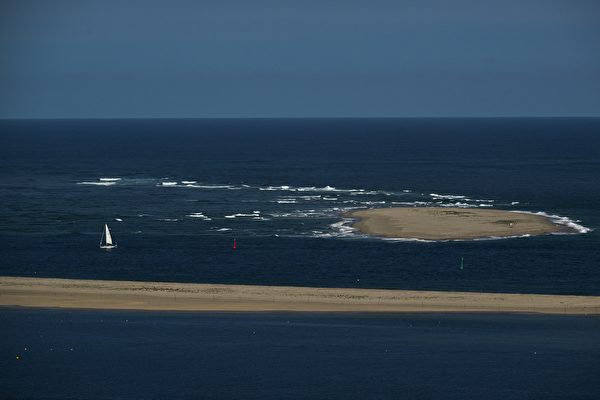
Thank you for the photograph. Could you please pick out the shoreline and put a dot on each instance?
(163, 296)
(450, 223)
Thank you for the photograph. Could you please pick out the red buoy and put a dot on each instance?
(234, 244)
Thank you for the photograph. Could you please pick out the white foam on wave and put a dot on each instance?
(514, 203)
(526, 235)
(446, 196)
(273, 188)
(386, 239)
(98, 183)
(168, 219)
(559, 220)
(109, 179)
(188, 182)
(199, 215)
(341, 229)
(458, 204)
(323, 189)
(331, 212)
(169, 184)
(286, 201)
(255, 214)
(223, 229)
(211, 186)
(411, 203)
(364, 193)
(118, 220)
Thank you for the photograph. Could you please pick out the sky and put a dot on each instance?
(305, 58)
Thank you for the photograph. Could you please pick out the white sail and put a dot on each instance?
(107, 235)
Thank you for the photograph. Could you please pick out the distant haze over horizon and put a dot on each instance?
(292, 59)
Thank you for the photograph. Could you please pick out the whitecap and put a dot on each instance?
(118, 219)
(286, 201)
(557, 219)
(168, 184)
(97, 183)
(109, 179)
(446, 196)
(364, 193)
(188, 182)
(272, 188)
(199, 215)
(190, 185)
(457, 204)
(412, 203)
(344, 227)
(409, 240)
(526, 235)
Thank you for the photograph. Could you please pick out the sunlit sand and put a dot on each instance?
(437, 223)
(124, 295)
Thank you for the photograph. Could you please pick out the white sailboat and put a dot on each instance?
(106, 241)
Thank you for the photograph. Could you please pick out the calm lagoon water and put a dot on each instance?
(125, 355)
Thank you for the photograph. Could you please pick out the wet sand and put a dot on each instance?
(437, 223)
(125, 295)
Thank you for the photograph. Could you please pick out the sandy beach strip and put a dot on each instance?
(129, 295)
(439, 223)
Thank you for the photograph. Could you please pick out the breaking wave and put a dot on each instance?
(200, 216)
(102, 183)
(559, 220)
(321, 207)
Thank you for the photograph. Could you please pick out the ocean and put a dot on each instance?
(147, 355)
(176, 193)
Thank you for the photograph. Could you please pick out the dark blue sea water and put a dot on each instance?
(177, 192)
(123, 355)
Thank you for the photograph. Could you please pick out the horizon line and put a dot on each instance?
(287, 118)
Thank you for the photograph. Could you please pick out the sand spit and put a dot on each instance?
(125, 295)
(437, 223)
